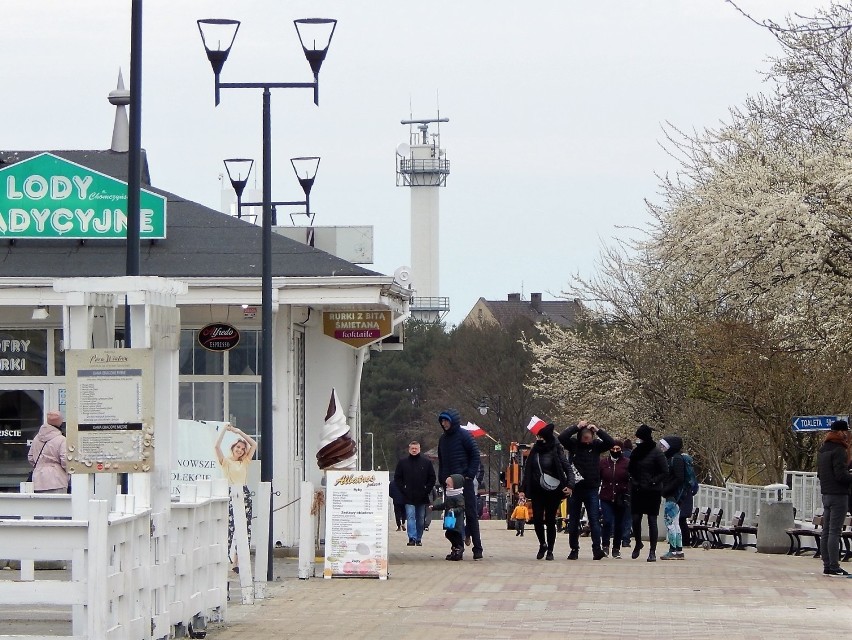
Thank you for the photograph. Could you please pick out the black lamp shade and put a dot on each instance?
(238, 173)
(217, 35)
(306, 171)
(315, 35)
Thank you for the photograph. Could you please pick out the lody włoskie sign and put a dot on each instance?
(49, 197)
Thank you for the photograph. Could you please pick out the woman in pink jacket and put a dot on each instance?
(47, 455)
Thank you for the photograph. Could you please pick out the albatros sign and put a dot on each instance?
(48, 197)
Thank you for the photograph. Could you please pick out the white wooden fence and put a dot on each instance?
(733, 497)
(133, 575)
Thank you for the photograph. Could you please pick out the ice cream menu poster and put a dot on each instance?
(356, 524)
(110, 400)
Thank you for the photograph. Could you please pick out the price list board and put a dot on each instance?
(356, 524)
(110, 404)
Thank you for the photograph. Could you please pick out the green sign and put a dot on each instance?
(49, 197)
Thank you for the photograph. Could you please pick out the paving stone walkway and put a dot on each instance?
(510, 594)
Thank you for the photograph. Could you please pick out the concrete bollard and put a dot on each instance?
(775, 518)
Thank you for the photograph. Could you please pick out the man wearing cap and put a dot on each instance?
(458, 453)
(835, 481)
(47, 455)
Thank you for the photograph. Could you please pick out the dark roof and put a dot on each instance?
(561, 312)
(200, 242)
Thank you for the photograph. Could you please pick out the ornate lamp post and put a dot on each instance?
(218, 37)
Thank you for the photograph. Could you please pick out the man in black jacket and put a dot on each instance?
(586, 443)
(834, 481)
(458, 453)
(415, 476)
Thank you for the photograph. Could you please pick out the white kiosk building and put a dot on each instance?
(44, 236)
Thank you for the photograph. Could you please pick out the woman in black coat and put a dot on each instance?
(548, 457)
(648, 471)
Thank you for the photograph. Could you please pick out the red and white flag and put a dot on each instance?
(536, 424)
(474, 430)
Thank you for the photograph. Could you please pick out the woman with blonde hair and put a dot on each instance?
(235, 468)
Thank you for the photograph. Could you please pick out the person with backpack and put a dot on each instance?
(673, 490)
(686, 502)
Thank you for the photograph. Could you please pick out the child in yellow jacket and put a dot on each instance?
(520, 515)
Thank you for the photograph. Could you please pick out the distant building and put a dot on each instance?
(506, 312)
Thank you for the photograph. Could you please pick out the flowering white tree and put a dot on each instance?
(734, 309)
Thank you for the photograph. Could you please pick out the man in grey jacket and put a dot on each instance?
(835, 481)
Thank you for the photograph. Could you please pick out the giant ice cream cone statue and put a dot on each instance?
(336, 448)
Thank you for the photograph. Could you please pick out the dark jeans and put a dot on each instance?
(627, 524)
(613, 523)
(519, 525)
(471, 517)
(545, 506)
(833, 514)
(587, 497)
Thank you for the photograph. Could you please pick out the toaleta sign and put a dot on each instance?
(218, 336)
(48, 197)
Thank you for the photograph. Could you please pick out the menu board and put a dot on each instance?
(110, 410)
(356, 524)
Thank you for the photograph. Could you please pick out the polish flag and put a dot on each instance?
(474, 430)
(536, 424)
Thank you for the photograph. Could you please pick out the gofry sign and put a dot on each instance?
(357, 328)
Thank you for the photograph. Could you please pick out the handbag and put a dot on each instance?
(547, 481)
(30, 474)
(450, 520)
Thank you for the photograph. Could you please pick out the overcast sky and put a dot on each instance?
(555, 110)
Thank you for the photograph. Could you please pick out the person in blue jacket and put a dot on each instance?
(458, 454)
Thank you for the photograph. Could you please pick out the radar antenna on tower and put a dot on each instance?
(422, 165)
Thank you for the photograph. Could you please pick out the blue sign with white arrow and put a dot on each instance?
(815, 423)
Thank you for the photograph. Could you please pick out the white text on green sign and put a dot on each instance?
(49, 197)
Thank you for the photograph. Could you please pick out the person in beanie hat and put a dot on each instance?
(453, 504)
(648, 472)
(671, 447)
(835, 480)
(458, 453)
(547, 457)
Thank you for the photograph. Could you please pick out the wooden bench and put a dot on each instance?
(745, 530)
(797, 533)
(846, 539)
(716, 533)
(700, 533)
(700, 520)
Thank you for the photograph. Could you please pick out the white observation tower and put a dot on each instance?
(421, 164)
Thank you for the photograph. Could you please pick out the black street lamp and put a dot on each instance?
(495, 446)
(306, 172)
(218, 36)
(238, 172)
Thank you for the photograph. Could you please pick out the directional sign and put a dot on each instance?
(815, 423)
